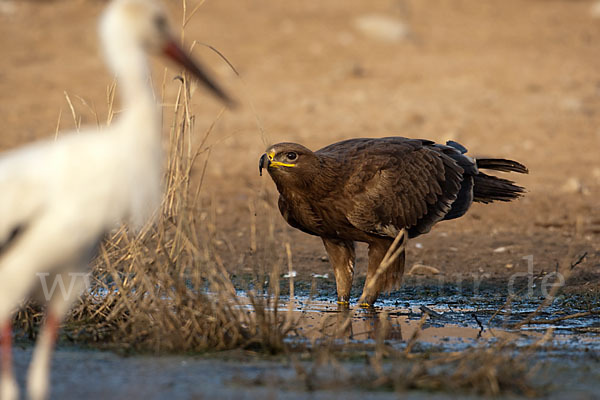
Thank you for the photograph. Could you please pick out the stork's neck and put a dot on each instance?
(135, 88)
(137, 101)
(126, 58)
(140, 117)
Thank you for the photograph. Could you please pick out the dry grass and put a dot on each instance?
(499, 369)
(165, 289)
(488, 370)
(480, 371)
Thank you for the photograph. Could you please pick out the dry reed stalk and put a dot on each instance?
(491, 371)
(166, 288)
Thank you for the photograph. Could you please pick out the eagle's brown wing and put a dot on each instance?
(400, 183)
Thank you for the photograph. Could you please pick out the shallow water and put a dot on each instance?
(454, 321)
(445, 327)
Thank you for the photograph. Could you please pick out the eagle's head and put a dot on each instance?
(289, 164)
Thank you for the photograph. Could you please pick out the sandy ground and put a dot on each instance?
(516, 79)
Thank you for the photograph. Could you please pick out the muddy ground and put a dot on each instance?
(566, 363)
(227, 377)
(516, 79)
(513, 79)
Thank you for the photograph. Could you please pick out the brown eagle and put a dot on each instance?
(370, 190)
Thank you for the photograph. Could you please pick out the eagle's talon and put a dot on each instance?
(343, 305)
(366, 305)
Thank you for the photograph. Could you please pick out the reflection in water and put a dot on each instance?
(320, 320)
(449, 327)
(358, 325)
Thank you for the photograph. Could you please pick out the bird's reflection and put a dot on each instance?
(368, 324)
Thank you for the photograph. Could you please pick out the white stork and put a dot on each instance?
(59, 197)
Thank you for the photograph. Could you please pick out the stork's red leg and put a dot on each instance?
(38, 377)
(6, 348)
(8, 385)
(52, 323)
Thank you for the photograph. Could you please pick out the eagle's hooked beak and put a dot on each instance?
(263, 163)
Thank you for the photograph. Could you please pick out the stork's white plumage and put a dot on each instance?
(59, 197)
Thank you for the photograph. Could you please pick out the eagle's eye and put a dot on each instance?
(291, 156)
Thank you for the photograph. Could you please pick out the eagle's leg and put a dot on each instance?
(341, 256)
(387, 280)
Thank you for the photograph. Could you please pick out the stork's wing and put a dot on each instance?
(22, 190)
(402, 183)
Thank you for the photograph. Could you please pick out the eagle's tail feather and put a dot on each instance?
(500, 164)
(488, 188)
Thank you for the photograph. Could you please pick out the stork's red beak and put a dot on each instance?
(175, 53)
